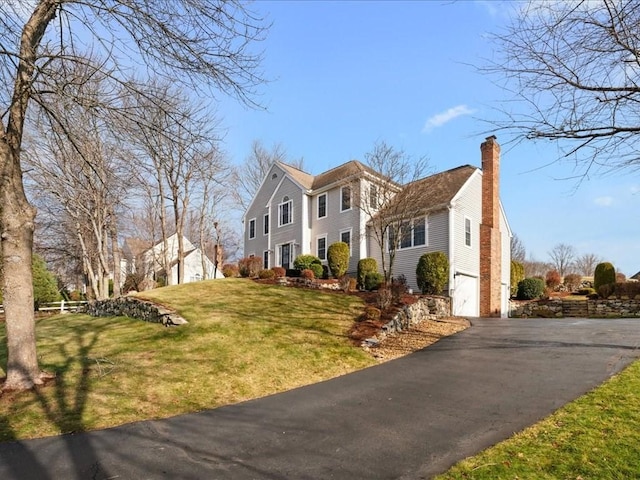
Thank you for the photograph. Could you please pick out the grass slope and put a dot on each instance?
(244, 340)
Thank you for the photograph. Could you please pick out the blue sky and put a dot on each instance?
(347, 74)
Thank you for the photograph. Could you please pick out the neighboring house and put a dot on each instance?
(636, 276)
(142, 258)
(294, 212)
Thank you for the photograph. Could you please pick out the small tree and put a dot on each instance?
(604, 274)
(517, 275)
(338, 258)
(365, 266)
(432, 272)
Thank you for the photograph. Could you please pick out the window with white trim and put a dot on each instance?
(322, 205)
(345, 236)
(265, 259)
(252, 228)
(467, 231)
(285, 216)
(373, 196)
(265, 228)
(345, 198)
(412, 234)
(321, 248)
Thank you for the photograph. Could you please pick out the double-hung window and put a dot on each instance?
(373, 196)
(467, 232)
(285, 212)
(411, 234)
(252, 228)
(321, 248)
(345, 236)
(322, 205)
(345, 198)
(266, 225)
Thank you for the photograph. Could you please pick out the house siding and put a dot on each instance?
(258, 208)
(334, 223)
(291, 233)
(468, 204)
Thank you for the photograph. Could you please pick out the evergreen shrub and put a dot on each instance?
(530, 288)
(366, 265)
(432, 273)
(338, 258)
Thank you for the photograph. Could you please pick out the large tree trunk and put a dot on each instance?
(17, 226)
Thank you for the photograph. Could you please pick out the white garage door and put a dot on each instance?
(465, 296)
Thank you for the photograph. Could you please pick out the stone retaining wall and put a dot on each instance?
(596, 308)
(426, 308)
(134, 308)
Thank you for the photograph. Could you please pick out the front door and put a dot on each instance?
(285, 256)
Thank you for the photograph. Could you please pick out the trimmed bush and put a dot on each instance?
(230, 271)
(432, 273)
(278, 272)
(517, 275)
(373, 280)
(604, 274)
(553, 279)
(366, 265)
(530, 288)
(266, 274)
(311, 262)
(572, 281)
(338, 258)
(250, 266)
(307, 274)
(371, 314)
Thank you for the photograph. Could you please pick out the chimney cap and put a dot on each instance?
(491, 138)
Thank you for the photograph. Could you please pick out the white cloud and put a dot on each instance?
(440, 119)
(604, 201)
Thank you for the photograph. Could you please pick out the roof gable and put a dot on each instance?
(301, 177)
(441, 188)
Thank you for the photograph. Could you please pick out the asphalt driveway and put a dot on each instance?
(410, 418)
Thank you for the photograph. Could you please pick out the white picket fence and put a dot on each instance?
(62, 306)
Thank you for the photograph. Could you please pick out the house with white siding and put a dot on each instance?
(459, 213)
(139, 257)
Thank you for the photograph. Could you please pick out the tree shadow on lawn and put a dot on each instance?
(62, 401)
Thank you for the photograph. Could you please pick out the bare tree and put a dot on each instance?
(562, 257)
(536, 268)
(176, 154)
(518, 251)
(586, 264)
(208, 46)
(248, 176)
(390, 197)
(85, 177)
(574, 70)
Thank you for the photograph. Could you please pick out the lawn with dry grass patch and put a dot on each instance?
(244, 340)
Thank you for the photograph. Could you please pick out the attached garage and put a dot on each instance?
(465, 301)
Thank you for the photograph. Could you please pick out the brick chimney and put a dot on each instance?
(490, 241)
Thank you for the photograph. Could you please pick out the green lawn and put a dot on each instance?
(244, 340)
(596, 437)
